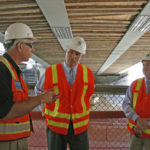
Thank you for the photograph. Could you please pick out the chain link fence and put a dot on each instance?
(108, 125)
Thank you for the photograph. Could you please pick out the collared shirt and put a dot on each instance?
(67, 70)
(39, 86)
(127, 104)
(147, 81)
(6, 95)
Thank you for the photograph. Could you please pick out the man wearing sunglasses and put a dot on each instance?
(15, 104)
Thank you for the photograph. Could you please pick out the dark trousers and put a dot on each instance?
(59, 142)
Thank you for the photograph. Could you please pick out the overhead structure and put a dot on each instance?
(140, 26)
(41, 61)
(44, 64)
(57, 18)
(102, 24)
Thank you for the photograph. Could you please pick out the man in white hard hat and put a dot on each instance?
(68, 118)
(15, 104)
(136, 107)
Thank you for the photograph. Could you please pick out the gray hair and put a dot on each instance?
(8, 45)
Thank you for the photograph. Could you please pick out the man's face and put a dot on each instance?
(26, 49)
(72, 57)
(146, 68)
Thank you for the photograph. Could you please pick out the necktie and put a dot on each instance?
(148, 87)
(71, 79)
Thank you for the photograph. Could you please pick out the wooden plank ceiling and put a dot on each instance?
(101, 22)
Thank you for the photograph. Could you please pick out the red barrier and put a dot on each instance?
(107, 131)
(37, 115)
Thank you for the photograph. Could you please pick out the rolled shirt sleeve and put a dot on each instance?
(127, 105)
(39, 88)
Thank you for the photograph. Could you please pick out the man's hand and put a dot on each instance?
(141, 125)
(49, 96)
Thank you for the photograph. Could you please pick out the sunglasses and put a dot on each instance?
(29, 44)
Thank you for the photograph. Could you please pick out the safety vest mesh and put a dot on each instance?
(73, 102)
(140, 104)
(18, 127)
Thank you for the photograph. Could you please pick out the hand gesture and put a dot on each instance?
(49, 96)
(141, 125)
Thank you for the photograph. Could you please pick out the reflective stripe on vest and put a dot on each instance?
(14, 128)
(18, 127)
(135, 94)
(85, 112)
(55, 81)
(6, 63)
(64, 115)
(135, 97)
(131, 125)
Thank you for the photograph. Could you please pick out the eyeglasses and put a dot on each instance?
(29, 44)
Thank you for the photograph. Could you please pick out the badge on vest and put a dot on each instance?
(18, 85)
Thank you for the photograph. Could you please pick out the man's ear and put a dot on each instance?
(19, 46)
(80, 58)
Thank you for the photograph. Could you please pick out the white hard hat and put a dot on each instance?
(78, 44)
(147, 57)
(18, 31)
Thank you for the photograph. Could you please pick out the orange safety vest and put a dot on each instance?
(18, 127)
(141, 104)
(73, 101)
